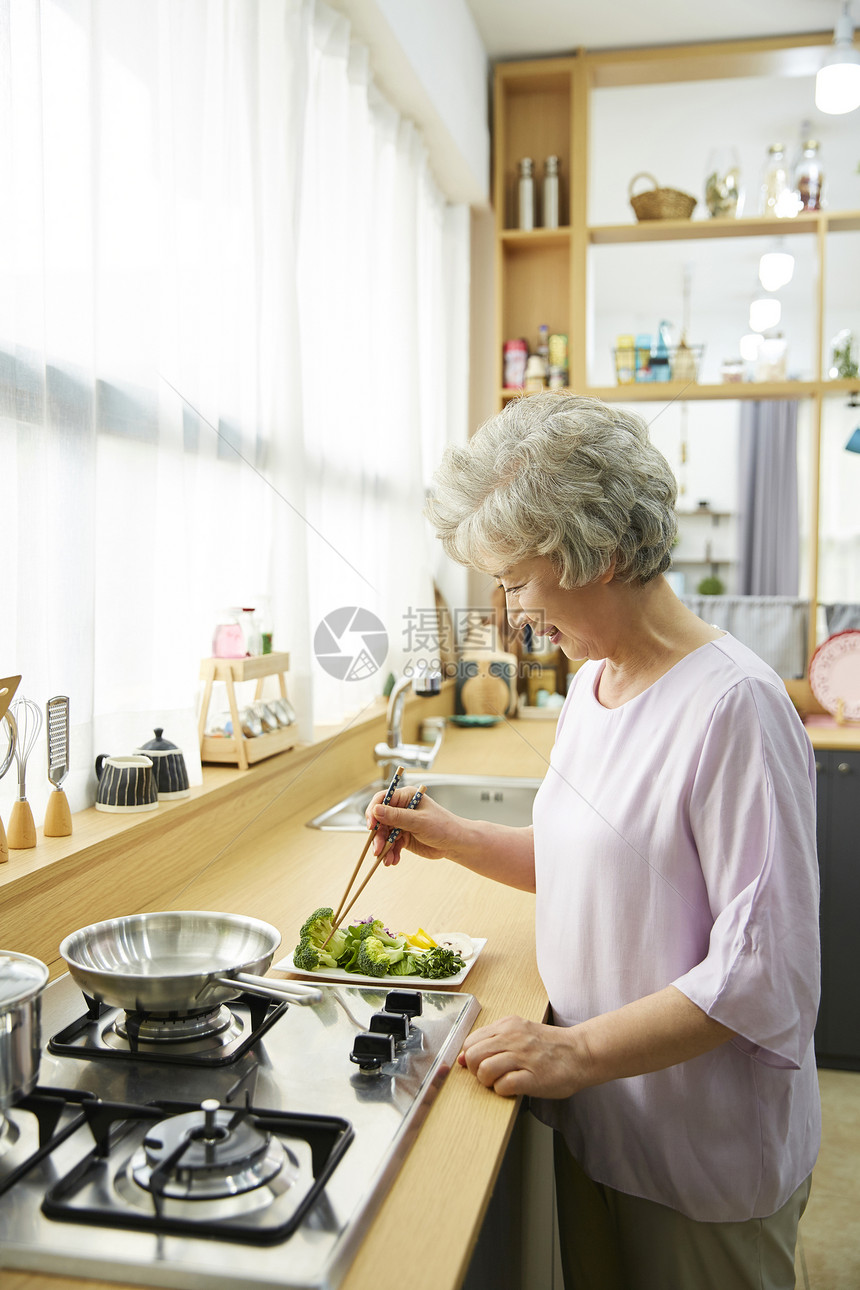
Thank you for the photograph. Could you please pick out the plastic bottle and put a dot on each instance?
(526, 195)
(550, 193)
(643, 357)
(625, 359)
(535, 375)
(660, 367)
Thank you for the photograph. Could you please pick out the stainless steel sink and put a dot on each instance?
(501, 799)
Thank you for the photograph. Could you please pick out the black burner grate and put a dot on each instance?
(85, 1037)
(96, 1190)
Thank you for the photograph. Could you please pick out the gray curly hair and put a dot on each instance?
(570, 478)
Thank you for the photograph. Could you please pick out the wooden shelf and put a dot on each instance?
(671, 391)
(543, 276)
(514, 239)
(674, 230)
(237, 749)
(226, 749)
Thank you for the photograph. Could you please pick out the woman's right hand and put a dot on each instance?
(428, 830)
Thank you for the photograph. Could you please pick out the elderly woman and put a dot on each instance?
(673, 858)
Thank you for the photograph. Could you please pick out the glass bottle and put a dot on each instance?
(550, 193)
(526, 195)
(228, 640)
(775, 187)
(809, 177)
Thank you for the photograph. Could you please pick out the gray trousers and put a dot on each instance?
(612, 1241)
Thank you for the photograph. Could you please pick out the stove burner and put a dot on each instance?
(207, 1154)
(213, 1037)
(249, 1175)
(155, 1028)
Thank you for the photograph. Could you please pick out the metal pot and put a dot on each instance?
(22, 980)
(177, 962)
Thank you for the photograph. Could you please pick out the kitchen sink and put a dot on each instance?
(500, 799)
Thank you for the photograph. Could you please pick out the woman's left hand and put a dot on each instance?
(516, 1057)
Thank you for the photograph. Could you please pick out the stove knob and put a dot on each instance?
(408, 1001)
(395, 1024)
(370, 1051)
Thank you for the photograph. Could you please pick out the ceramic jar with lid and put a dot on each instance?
(168, 766)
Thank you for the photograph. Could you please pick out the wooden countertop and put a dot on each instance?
(265, 863)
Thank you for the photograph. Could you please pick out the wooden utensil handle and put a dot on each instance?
(58, 817)
(4, 846)
(22, 827)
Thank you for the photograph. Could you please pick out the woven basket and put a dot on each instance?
(659, 203)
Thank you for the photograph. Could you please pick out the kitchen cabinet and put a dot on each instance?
(543, 275)
(837, 1035)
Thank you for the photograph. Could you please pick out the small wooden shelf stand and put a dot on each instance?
(237, 749)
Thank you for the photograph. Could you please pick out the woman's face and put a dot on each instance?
(575, 620)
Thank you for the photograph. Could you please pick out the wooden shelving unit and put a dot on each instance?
(542, 107)
(238, 750)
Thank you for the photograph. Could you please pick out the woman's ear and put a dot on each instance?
(610, 572)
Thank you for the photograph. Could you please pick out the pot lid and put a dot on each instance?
(158, 744)
(20, 977)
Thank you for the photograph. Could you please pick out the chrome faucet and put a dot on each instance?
(395, 752)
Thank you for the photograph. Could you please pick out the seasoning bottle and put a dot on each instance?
(550, 193)
(625, 360)
(526, 195)
(535, 375)
(643, 357)
(775, 187)
(809, 177)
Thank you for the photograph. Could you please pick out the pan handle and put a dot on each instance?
(268, 988)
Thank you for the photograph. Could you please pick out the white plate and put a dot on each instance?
(355, 978)
(834, 673)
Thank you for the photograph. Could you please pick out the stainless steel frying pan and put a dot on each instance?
(177, 962)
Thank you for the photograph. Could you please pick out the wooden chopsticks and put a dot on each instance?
(392, 837)
(389, 793)
(344, 908)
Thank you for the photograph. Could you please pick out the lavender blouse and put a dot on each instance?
(675, 844)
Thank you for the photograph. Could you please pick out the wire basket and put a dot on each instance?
(684, 365)
(659, 203)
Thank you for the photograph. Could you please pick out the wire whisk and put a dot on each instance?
(22, 827)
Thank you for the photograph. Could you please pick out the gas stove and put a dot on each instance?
(249, 1145)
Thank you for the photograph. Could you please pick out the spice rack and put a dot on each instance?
(237, 749)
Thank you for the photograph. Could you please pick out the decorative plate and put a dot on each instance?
(475, 719)
(356, 978)
(834, 674)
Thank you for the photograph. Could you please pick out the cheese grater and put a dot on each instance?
(58, 819)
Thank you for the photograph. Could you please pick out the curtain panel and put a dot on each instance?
(211, 354)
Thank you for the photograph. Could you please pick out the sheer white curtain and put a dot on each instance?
(149, 171)
(199, 405)
(376, 302)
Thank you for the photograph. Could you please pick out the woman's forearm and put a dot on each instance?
(497, 851)
(648, 1035)
(517, 1057)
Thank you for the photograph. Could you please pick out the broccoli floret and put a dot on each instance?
(317, 941)
(438, 963)
(375, 928)
(376, 958)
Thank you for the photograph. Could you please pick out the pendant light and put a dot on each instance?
(837, 85)
(776, 268)
(765, 313)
